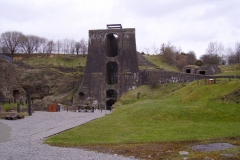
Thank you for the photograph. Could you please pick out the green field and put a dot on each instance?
(56, 60)
(171, 112)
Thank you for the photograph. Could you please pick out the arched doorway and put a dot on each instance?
(16, 95)
(81, 95)
(112, 73)
(109, 104)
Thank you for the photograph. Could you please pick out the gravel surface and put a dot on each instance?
(27, 135)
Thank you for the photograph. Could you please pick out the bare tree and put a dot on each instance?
(72, 46)
(29, 44)
(214, 54)
(84, 46)
(156, 50)
(50, 47)
(42, 45)
(66, 46)
(170, 54)
(11, 40)
(191, 58)
(147, 50)
(237, 48)
(215, 48)
(77, 47)
(59, 45)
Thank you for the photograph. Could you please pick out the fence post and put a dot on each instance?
(29, 103)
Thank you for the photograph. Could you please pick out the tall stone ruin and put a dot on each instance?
(111, 68)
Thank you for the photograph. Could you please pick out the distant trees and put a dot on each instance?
(214, 54)
(176, 57)
(29, 44)
(10, 41)
(15, 42)
(234, 55)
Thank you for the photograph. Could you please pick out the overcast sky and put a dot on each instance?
(188, 24)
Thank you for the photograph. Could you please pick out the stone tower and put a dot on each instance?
(111, 68)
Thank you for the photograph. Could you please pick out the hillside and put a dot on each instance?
(51, 79)
(171, 112)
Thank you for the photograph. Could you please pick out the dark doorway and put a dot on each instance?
(188, 70)
(202, 72)
(16, 95)
(112, 45)
(111, 93)
(109, 104)
(112, 73)
(81, 95)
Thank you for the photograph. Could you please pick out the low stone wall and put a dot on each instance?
(162, 76)
(4, 114)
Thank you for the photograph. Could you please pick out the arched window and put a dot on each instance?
(112, 45)
(81, 95)
(111, 93)
(109, 104)
(112, 73)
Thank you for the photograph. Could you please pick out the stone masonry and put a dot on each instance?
(10, 83)
(111, 69)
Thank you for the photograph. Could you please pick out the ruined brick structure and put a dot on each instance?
(10, 83)
(111, 68)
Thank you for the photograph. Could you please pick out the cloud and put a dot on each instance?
(188, 24)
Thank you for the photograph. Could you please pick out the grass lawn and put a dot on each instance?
(157, 60)
(171, 112)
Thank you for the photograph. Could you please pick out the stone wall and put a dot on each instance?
(10, 82)
(162, 76)
(111, 68)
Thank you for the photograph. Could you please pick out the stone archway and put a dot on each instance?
(110, 103)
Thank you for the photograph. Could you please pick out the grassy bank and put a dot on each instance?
(171, 112)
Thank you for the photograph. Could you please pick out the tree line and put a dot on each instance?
(215, 54)
(16, 42)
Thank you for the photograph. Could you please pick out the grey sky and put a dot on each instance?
(188, 24)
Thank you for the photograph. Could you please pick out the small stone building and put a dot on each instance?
(111, 68)
(208, 69)
(10, 83)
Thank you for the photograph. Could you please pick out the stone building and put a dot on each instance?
(111, 68)
(208, 69)
(10, 83)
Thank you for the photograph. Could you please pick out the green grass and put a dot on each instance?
(57, 60)
(184, 112)
(157, 60)
(230, 70)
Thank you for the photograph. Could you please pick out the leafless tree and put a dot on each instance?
(10, 40)
(50, 47)
(156, 50)
(84, 46)
(191, 58)
(170, 54)
(66, 46)
(72, 46)
(77, 47)
(237, 48)
(42, 45)
(58, 46)
(215, 48)
(147, 50)
(214, 54)
(29, 44)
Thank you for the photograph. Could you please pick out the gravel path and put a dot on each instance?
(25, 141)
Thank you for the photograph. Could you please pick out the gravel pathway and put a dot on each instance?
(25, 141)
